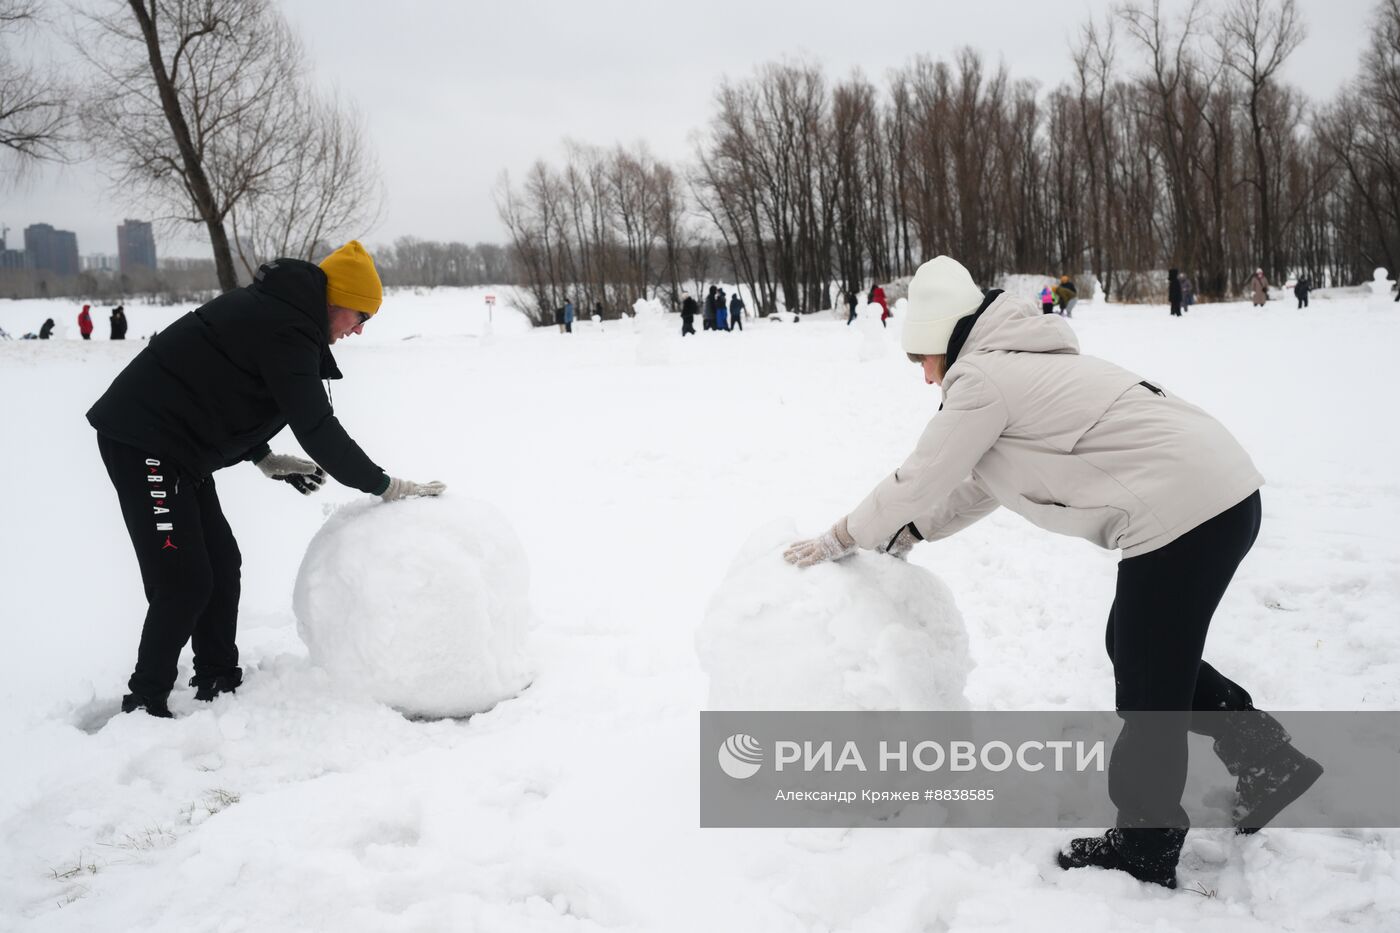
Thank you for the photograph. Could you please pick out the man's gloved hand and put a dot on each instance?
(833, 544)
(302, 475)
(901, 544)
(404, 488)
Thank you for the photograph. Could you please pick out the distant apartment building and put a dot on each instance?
(100, 262)
(136, 246)
(10, 258)
(50, 250)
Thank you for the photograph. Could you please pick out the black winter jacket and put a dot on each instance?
(214, 387)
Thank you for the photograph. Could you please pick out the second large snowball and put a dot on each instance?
(865, 633)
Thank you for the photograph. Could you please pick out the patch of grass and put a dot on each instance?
(1202, 890)
(82, 865)
(152, 837)
(218, 800)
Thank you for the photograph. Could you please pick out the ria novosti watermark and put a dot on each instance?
(1011, 769)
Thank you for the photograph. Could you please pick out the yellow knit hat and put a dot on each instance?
(351, 279)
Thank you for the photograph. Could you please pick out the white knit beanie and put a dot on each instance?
(941, 294)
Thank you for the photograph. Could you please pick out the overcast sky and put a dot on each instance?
(455, 92)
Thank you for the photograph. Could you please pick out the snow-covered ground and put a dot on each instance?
(632, 488)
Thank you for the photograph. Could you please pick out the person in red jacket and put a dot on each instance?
(877, 297)
(85, 323)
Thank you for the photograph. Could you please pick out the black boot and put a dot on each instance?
(1269, 772)
(1262, 791)
(154, 706)
(1102, 852)
(208, 686)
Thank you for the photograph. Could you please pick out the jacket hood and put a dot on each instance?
(300, 284)
(1018, 325)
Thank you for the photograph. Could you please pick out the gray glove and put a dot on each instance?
(404, 488)
(302, 475)
(901, 544)
(833, 544)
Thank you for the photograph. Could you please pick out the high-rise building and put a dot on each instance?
(10, 258)
(50, 250)
(136, 245)
(100, 262)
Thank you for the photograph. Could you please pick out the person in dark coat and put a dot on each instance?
(709, 322)
(721, 310)
(1188, 293)
(1174, 291)
(208, 392)
(851, 302)
(736, 311)
(46, 331)
(85, 323)
(689, 308)
(1301, 289)
(118, 323)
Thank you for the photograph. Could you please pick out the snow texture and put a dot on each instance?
(421, 604)
(869, 632)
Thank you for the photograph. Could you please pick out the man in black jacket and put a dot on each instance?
(208, 392)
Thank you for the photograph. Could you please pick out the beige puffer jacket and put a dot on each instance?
(1072, 443)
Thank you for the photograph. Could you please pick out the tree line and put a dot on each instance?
(1175, 143)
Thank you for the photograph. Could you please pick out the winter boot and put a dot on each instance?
(1261, 792)
(1104, 852)
(1269, 772)
(154, 706)
(208, 686)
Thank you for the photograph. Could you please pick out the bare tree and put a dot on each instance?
(34, 113)
(322, 184)
(1256, 38)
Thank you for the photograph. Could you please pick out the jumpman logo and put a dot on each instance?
(168, 545)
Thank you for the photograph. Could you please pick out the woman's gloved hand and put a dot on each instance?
(833, 544)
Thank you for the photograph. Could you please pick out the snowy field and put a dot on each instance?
(632, 488)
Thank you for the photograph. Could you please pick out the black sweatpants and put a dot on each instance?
(190, 567)
(1156, 635)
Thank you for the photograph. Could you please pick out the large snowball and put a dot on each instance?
(422, 604)
(866, 633)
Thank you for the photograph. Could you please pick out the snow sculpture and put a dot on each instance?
(869, 632)
(649, 320)
(421, 604)
(1381, 291)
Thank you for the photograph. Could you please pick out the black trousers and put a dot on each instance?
(1156, 635)
(687, 325)
(191, 567)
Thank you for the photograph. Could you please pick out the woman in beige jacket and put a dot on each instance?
(1081, 447)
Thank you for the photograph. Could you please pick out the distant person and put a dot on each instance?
(1067, 295)
(118, 323)
(851, 302)
(877, 297)
(1188, 293)
(568, 316)
(1174, 291)
(211, 391)
(1259, 288)
(736, 311)
(1047, 300)
(85, 323)
(709, 321)
(689, 308)
(46, 331)
(1301, 288)
(559, 318)
(597, 311)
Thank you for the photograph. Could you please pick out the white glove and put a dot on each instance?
(302, 475)
(833, 544)
(901, 544)
(404, 488)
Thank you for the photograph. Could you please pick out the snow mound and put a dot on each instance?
(421, 604)
(649, 318)
(866, 633)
